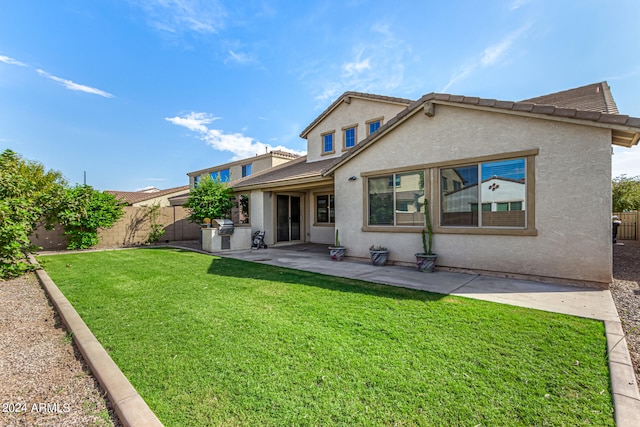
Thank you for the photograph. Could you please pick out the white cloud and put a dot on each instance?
(374, 65)
(492, 55)
(240, 57)
(352, 68)
(75, 86)
(11, 61)
(516, 4)
(173, 16)
(240, 145)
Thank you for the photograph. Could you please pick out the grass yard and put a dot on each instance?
(215, 341)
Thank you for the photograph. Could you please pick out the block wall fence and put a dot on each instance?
(131, 230)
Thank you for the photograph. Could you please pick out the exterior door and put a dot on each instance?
(288, 218)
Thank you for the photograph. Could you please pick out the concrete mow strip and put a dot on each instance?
(131, 409)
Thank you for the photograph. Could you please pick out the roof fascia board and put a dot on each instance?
(584, 122)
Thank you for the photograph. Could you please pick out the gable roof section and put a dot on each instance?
(346, 97)
(131, 197)
(625, 129)
(295, 171)
(593, 97)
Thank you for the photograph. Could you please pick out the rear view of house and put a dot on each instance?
(517, 188)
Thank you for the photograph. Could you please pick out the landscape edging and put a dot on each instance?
(129, 406)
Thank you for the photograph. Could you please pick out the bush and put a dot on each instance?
(84, 211)
(626, 193)
(29, 196)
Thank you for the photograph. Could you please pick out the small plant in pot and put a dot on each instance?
(426, 260)
(337, 252)
(379, 255)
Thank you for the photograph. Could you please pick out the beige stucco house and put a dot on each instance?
(514, 188)
(233, 171)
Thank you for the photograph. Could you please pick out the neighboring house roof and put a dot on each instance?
(297, 170)
(625, 129)
(346, 97)
(593, 97)
(132, 197)
(274, 153)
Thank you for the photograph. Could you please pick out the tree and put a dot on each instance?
(84, 211)
(29, 196)
(210, 199)
(626, 193)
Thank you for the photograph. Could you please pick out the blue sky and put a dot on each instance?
(139, 92)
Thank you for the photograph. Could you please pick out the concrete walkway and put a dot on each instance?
(582, 302)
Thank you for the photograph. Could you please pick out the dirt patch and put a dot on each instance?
(626, 295)
(44, 382)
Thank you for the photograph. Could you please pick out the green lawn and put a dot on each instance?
(215, 341)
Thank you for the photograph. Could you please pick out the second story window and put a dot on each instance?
(246, 170)
(327, 143)
(222, 175)
(373, 125)
(349, 137)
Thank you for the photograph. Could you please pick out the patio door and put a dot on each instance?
(288, 218)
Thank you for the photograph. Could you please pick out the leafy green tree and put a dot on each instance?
(29, 196)
(626, 193)
(84, 211)
(210, 199)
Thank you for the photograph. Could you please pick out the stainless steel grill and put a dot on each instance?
(225, 227)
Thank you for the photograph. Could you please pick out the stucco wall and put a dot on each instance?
(358, 112)
(572, 180)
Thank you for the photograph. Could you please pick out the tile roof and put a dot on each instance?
(295, 169)
(625, 129)
(346, 97)
(593, 97)
(131, 197)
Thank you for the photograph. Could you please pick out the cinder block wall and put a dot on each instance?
(131, 230)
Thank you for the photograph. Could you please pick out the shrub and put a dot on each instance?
(84, 211)
(626, 193)
(29, 196)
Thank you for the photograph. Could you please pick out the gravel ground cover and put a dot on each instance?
(626, 294)
(43, 380)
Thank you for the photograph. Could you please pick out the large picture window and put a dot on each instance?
(325, 209)
(499, 188)
(396, 199)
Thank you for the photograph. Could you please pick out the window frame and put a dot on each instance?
(386, 174)
(432, 190)
(529, 203)
(333, 142)
(329, 196)
(248, 167)
(344, 136)
(368, 123)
